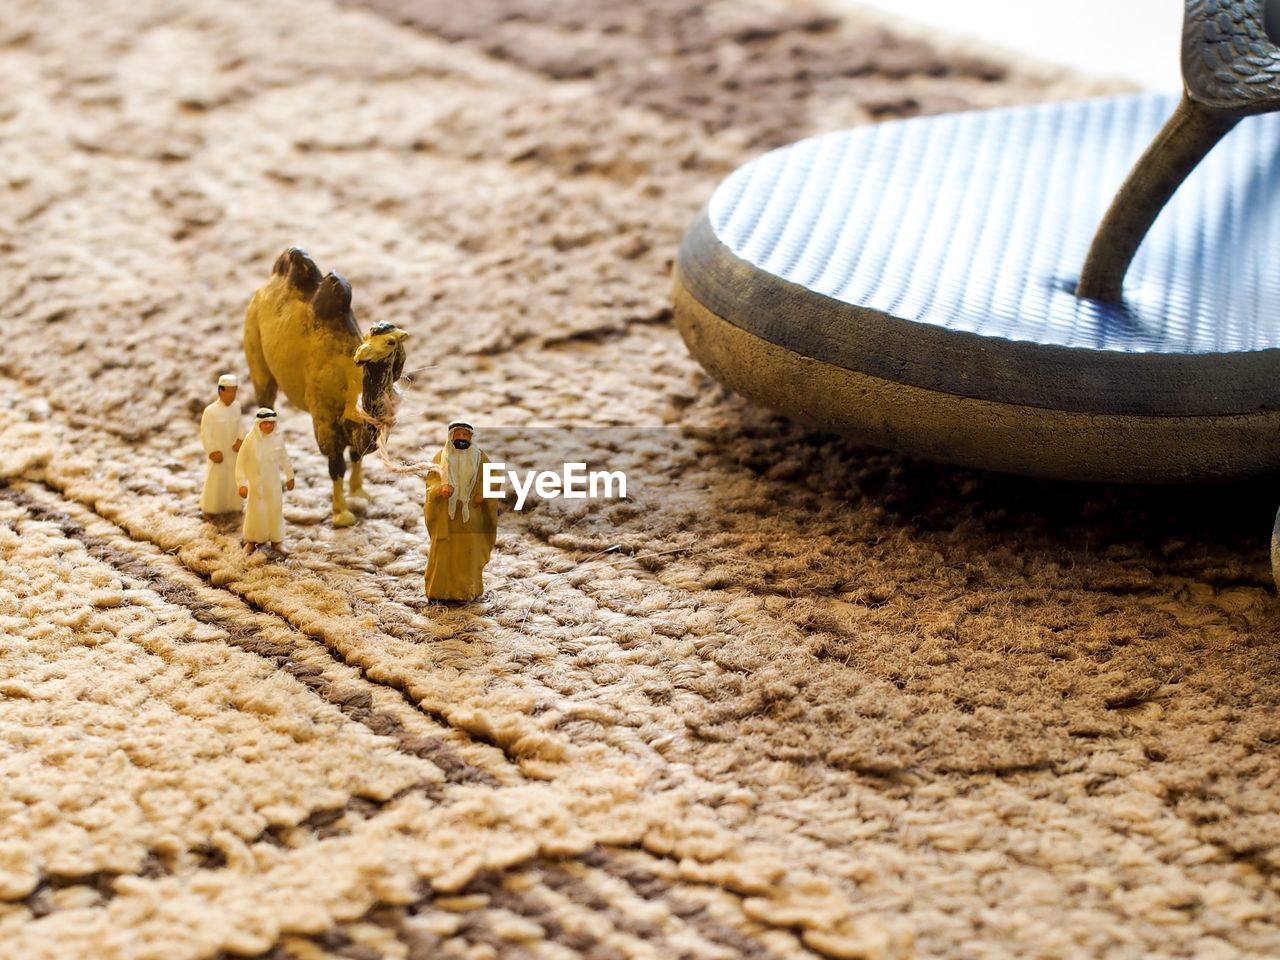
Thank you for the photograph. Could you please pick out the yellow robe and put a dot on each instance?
(459, 548)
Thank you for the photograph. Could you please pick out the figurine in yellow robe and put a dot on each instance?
(462, 523)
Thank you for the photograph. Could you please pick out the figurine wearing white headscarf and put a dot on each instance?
(263, 473)
(462, 523)
(220, 434)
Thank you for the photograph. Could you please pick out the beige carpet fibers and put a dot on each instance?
(819, 701)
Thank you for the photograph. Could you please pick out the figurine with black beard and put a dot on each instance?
(462, 523)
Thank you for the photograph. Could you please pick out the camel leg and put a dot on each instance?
(356, 487)
(332, 446)
(264, 384)
(342, 515)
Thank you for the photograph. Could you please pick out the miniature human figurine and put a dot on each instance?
(220, 434)
(300, 336)
(263, 473)
(461, 522)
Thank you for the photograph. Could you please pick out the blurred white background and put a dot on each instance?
(1137, 40)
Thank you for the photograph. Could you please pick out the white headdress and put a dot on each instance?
(228, 380)
(461, 469)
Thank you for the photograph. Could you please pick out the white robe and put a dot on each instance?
(220, 428)
(263, 467)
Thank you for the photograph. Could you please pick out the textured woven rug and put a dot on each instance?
(797, 698)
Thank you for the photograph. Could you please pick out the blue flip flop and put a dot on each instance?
(937, 285)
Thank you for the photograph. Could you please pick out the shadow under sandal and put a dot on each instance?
(937, 285)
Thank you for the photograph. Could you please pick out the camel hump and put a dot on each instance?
(297, 267)
(332, 303)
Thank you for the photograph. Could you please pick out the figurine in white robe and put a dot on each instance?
(263, 473)
(220, 434)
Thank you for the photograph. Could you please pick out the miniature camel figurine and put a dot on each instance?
(300, 335)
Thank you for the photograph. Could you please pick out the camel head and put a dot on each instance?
(384, 341)
(381, 358)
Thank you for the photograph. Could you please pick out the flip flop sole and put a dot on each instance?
(917, 277)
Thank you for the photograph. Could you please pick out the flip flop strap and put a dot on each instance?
(1230, 69)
